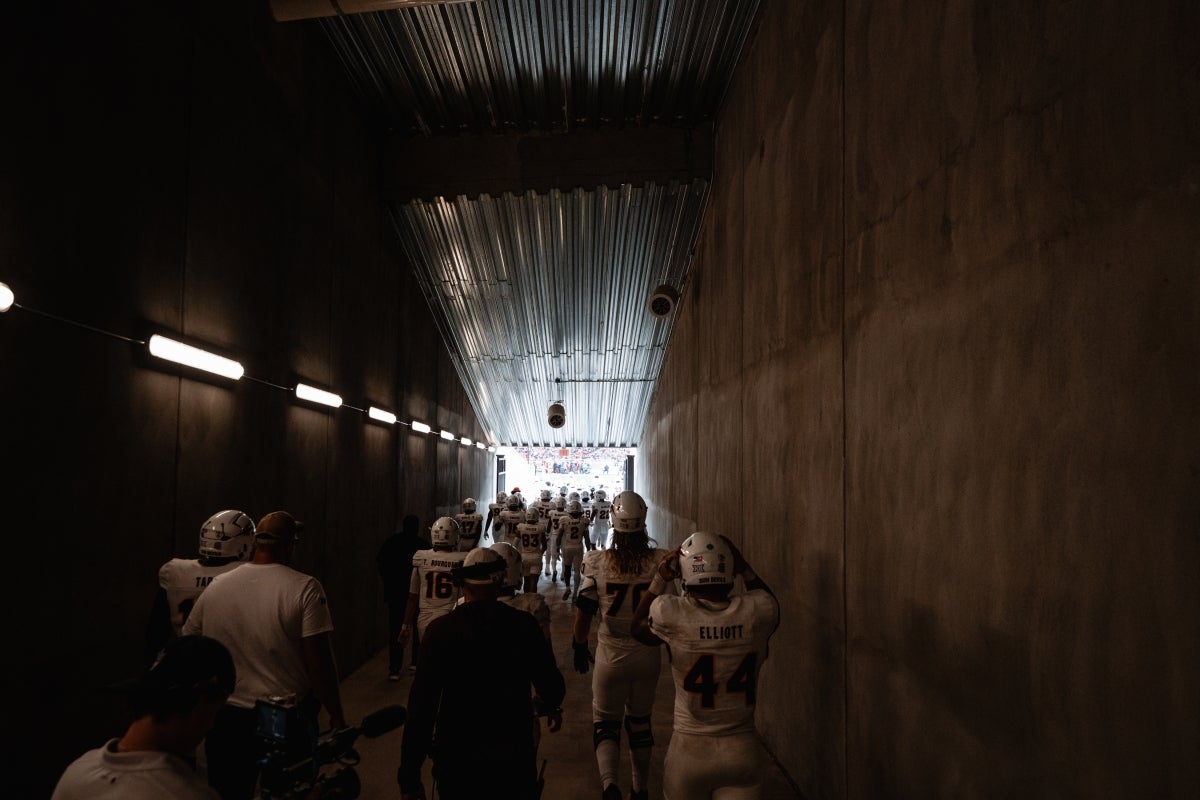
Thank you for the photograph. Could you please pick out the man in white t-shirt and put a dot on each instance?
(174, 705)
(718, 642)
(276, 623)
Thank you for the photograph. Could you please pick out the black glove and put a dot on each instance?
(582, 656)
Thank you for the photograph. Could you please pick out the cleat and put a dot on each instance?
(555, 578)
(547, 573)
(642, 795)
(611, 793)
(394, 675)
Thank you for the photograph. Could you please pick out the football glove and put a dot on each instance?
(582, 656)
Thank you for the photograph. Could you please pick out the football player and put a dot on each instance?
(626, 672)
(431, 591)
(718, 642)
(491, 525)
(226, 541)
(512, 516)
(530, 539)
(572, 537)
(470, 525)
(601, 508)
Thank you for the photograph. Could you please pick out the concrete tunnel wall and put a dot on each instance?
(936, 371)
(198, 167)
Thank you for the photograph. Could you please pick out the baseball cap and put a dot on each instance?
(278, 526)
(187, 667)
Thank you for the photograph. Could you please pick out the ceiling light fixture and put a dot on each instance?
(420, 427)
(448, 436)
(6, 297)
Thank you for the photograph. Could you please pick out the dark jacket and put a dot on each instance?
(394, 562)
(447, 692)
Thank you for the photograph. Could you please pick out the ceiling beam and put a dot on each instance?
(289, 10)
(420, 168)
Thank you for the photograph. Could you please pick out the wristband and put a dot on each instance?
(658, 585)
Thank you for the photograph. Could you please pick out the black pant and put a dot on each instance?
(233, 751)
(471, 780)
(395, 649)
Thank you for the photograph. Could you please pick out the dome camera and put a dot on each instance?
(556, 415)
(663, 300)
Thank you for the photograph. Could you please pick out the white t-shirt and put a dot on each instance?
(105, 774)
(431, 583)
(183, 579)
(261, 612)
(716, 650)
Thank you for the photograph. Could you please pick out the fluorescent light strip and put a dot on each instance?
(420, 427)
(481, 445)
(315, 395)
(7, 298)
(381, 415)
(448, 436)
(466, 440)
(187, 355)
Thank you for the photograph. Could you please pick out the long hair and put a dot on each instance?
(630, 552)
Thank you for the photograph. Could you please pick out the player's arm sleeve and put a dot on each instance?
(546, 677)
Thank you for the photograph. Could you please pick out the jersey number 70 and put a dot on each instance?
(701, 679)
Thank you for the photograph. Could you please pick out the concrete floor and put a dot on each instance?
(570, 770)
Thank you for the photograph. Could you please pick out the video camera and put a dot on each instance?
(295, 751)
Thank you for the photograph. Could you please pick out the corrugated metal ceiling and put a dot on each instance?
(542, 297)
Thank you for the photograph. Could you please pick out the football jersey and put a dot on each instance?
(529, 540)
(509, 520)
(431, 583)
(494, 512)
(618, 594)
(470, 527)
(571, 532)
(600, 511)
(716, 650)
(183, 579)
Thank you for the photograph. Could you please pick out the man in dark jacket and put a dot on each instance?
(395, 568)
(448, 695)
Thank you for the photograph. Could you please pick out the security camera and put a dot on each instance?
(663, 300)
(556, 415)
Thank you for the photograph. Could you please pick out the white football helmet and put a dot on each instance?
(444, 533)
(600, 494)
(513, 503)
(500, 498)
(575, 509)
(560, 503)
(705, 560)
(469, 505)
(572, 497)
(628, 513)
(545, 495)
(483, 566)
(227, 533)
(512, 558)
(532, 516)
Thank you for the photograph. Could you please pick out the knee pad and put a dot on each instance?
(606, 729)
(640, 733)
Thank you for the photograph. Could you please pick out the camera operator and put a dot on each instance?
(276, 623)
(174, 705)
(447, 692)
